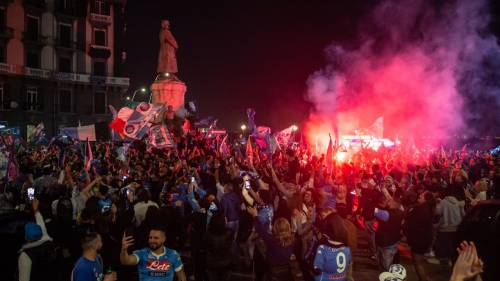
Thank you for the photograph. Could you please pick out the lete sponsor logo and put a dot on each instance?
(158, 265)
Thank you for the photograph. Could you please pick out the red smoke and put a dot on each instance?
(410, 77)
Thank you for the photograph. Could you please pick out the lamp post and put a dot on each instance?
(133, 96)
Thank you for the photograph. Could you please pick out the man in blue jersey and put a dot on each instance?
(156, 262)
(90, 266)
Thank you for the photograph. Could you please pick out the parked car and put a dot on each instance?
(482, 226)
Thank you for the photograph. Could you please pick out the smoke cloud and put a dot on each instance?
(430, 68)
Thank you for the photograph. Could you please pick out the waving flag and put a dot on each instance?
(249, 147)
(135, 123)
(193, 106)
(122, 151)
(38, 135)
(377, 129)
(223, 150)
(329, 156)
(159, 137)
(204, 122)
(410, 145)
(283, 137)
(261, 137)
(88, 155)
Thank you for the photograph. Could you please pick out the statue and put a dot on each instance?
(167, 62)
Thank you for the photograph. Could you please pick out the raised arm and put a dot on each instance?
(125, 258)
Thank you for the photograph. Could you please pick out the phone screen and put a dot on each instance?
(31, 193)
(192, 179)
(247, 184)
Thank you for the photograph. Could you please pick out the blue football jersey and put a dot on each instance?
(154, 268)
(333, 263)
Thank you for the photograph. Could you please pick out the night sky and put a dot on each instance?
(236, 54)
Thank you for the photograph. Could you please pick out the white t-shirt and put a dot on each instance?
(140, 211)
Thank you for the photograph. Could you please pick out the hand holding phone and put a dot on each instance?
(31, 193)
(247, 184)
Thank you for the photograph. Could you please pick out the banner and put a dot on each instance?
(10, 134)
(159, 137)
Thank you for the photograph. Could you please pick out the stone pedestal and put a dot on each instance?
(170, 91)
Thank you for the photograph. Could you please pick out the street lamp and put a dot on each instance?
(133, 96)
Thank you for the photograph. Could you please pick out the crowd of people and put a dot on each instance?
(129, 220)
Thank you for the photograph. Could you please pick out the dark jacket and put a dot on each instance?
(219, 249)
(389, 232)
(231, 207)
(368, 202)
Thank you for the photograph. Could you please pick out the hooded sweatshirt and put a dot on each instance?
(24, 263)
(451, 212)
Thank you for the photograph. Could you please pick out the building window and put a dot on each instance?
(32, 28)
(32, 60)
(2, 18)
(101, 8)
(99, 68)
(65, 101)
(100, 106)
(64, 64)
(65, 35)
(31, 98)
(100, 37)
(2, 54)
(5, 103)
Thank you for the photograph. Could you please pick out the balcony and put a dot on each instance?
(34, 39)
(65, 45)
(66, 108)
(69, 10)
(32, 106)
(35, 7)
(71, 77)
(100, 19)
(6, 33)
(97, 51)
(7, 68)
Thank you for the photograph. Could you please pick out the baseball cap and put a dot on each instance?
(105, 204)
(33, 231)
(396, 273)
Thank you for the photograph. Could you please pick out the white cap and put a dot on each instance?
(396, 273)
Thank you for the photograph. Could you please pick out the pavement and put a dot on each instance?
(364, 268)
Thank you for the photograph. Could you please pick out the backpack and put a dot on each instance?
(43, 262)
(64, 210)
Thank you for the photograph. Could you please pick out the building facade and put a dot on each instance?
(60, 62)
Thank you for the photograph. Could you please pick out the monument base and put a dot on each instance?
(170, 91)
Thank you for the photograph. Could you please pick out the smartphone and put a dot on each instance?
(31, 193)
(128, 192)
(192, 179)
(247, 184)
(129, 231)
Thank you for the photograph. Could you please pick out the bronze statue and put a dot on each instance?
(167, 62)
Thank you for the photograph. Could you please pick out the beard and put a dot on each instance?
(155, 246)
(99, 250)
